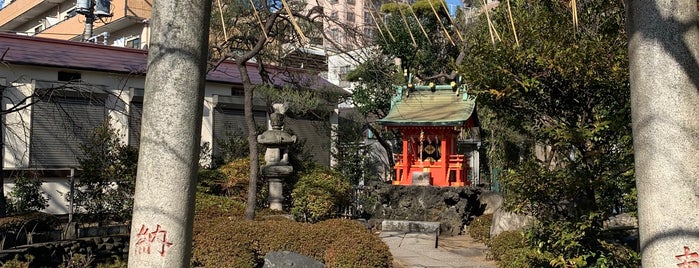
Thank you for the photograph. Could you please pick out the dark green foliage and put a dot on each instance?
(479, 228)
(506, 241)
(26, 195)
(222, 238)
(526, 257)
(426, 57)
(212, 206)
(105, 186)
(42, 220)
(319, 194)
(234, 145)
(354, 156)
(25, 262)
(559, 103)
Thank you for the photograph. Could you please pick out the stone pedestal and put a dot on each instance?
(275, 176)
(276, 195)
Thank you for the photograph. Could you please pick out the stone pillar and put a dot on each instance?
(163, 213)
(664, 69)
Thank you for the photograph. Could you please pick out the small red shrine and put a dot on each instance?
(430, 119)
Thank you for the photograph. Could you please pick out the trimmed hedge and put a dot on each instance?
(479, 228)
(505, 242)
(319, 194)
(223, 238)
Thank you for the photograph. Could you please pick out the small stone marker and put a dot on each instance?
(286, 259)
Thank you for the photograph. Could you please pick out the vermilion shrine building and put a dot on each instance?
(436, 122)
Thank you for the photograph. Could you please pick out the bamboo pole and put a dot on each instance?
(440, 23)
(512, 22)
(294, 23)
(458, 32)
(405, 22)
(420, 24)
(257, 16)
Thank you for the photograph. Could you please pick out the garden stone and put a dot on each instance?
(492, 202)
(507, 221)
(286, 259)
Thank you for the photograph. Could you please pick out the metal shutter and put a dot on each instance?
(227, 122)
(315, 133)
(59, 125)
(135, 115)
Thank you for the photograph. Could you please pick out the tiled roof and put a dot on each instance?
(25, 50)
(427, 108)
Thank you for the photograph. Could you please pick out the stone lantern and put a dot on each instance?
(276, 157)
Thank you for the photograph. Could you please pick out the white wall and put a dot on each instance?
(19, 80)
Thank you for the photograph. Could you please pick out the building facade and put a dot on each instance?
(51, 103)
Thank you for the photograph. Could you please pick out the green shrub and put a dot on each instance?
(319, 194)
(44, 222)
(506, 241)
(479, 228)
(115, 262)
(223, 238)
(358, 250)
(225, 242)
(17, 263)
(77, 261)
(211, 206)
(525, 258)
(26, 195)
(105, 186)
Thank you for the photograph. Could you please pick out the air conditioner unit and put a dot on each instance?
(83, 6)
(102, 8)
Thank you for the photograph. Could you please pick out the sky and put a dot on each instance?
(452, 4)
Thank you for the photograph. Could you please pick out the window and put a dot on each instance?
(335, 34)
(61, 122)
(70, 13)
(369, 33)
(367, 18)
(133, 42)
(229, 123)
(350, 16)
(68, 76)
(333, 15)
(350, 2)
(333, 1)
(37, 29)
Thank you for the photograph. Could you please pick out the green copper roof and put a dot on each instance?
(427, 108)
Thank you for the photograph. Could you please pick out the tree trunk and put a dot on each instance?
(386, 146)
(664, 76)
(252, 140)
(163, 213)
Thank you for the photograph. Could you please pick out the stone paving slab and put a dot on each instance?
(417, 250)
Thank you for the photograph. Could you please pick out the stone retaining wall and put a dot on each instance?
(452, 207)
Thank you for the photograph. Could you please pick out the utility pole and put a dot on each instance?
(163, 212)
(664, 69)
(92, 10)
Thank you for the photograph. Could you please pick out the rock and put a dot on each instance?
(492, 201)
(286, 259)
(508, 221)
(621, 221)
